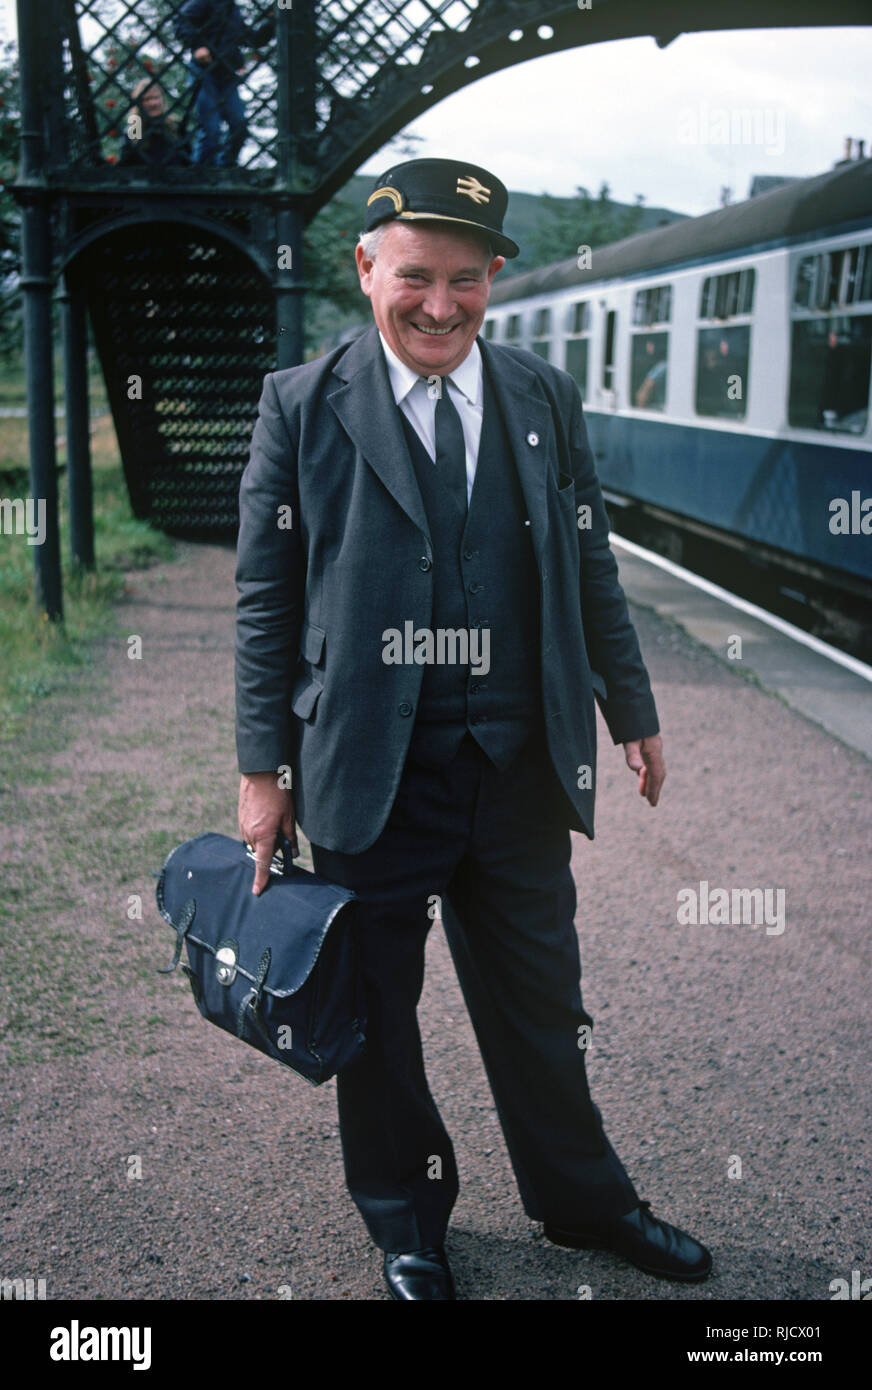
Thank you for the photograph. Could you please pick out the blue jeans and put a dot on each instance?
(218, 100)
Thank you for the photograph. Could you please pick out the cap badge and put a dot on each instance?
(386, 192)
(473, 189)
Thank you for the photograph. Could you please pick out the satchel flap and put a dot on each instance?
(291, 917)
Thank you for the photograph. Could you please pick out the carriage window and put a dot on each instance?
(649, 351)
(829, 373)
(653, 305)
(722, 372)
(577, 323)
(513, 328)
(723, 352)
(803, 290)
(576, 362)
(648, 370)
(727, 296)
(542, 333)
(490, 328)
(579, 317)
(834, 278)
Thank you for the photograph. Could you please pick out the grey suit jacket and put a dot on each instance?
(334, 549)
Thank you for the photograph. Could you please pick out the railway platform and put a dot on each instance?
(821, 682)
(729, 1058)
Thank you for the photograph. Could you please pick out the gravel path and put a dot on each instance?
(713, 1043)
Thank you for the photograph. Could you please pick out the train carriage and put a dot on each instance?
(724, 364)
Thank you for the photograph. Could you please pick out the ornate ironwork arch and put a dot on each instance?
(261, 255)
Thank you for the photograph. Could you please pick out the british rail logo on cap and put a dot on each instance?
(442, 190)
(473, 189)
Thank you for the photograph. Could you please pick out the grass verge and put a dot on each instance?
(41, 657)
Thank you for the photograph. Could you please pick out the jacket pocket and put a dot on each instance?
(308, 687)
(312, 643)
(304, 696)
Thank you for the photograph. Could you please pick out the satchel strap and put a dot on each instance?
(183, 926)
(249, 1008)
(262, 971)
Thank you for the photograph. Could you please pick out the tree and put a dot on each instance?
(568, 223)
(10, 222)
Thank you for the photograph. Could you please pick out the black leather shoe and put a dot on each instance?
(419, 1274)
(649, 1244)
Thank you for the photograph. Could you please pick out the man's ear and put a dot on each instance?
(496, 264)
(364, 269)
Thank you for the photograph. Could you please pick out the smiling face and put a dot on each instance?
(152, 102)
(429, 289)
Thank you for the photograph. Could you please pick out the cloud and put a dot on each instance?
(611, 112)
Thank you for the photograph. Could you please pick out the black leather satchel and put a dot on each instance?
(278, 970)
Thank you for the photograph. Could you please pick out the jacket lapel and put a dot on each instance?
(364, 403)
(525, 412)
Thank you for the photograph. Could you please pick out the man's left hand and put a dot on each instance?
(645, 756)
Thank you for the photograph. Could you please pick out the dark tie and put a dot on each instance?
(450, 448)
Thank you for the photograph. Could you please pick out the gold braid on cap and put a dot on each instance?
(395, 197)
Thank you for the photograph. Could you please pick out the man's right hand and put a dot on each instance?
(203, 56)
(266, 812)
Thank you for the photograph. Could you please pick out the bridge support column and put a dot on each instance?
(81, 493)
(36, 285)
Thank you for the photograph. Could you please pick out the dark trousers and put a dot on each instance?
(497, 845)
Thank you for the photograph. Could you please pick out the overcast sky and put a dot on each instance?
(665, 123)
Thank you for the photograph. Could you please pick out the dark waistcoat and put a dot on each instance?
(484, 577)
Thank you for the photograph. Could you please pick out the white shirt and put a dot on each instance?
(419, 407)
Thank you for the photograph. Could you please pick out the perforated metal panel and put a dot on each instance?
(185, 328)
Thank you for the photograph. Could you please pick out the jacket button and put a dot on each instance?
(405, 708)
(475, 588)
(424, 563)
(468, 554)
(532, 438)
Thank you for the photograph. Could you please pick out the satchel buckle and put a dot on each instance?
(226, 962)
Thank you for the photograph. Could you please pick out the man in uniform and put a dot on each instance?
(422, 645)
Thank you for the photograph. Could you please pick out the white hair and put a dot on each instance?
(370, 242)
